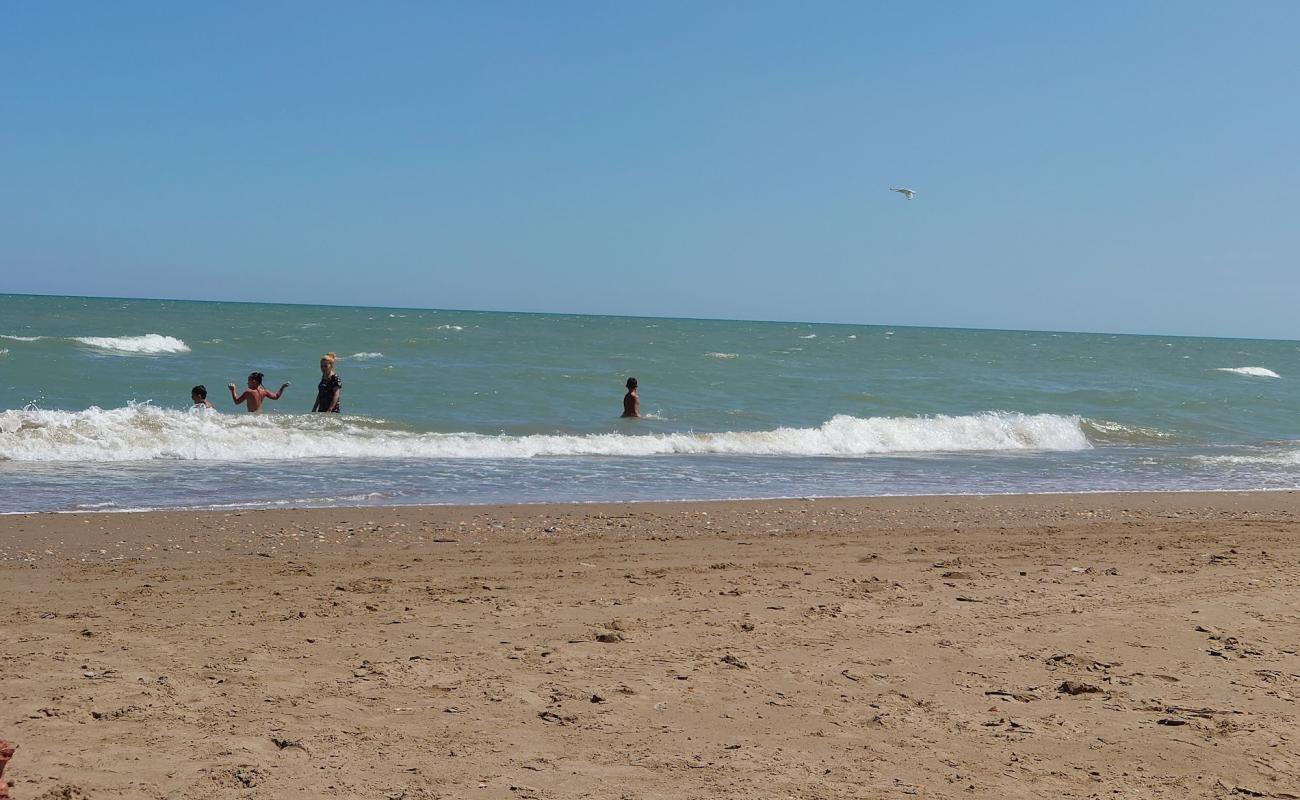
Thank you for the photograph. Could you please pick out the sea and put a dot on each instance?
(462, 407)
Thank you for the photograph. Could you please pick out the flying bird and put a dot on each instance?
(908, 193)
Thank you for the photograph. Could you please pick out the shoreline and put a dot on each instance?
(1111, 495)
(826, 648)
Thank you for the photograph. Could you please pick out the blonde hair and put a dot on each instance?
(330, 357)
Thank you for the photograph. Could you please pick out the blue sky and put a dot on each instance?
(1108, 167)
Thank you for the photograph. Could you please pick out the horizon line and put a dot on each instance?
(644, 316)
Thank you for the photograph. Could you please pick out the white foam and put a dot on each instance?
(722, 356)
(21, 338)
(1285, 458)
(143, 432)
(148, 344)
(809, 336)
(364, 356)
(450, 328)
(1254, 372)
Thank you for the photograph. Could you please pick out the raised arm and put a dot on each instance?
(276, 395)
(239, 399)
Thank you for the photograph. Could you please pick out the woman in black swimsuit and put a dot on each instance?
(330, 386)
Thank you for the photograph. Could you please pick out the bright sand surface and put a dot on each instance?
(809, 649)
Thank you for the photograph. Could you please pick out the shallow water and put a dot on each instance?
(465, 407)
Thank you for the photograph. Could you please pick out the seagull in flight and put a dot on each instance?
(908, 193)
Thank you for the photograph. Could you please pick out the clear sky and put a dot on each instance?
(1128, 167)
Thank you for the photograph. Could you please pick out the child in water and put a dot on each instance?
(256, 393)
(330, 386)
(631, 402)
(199, 397)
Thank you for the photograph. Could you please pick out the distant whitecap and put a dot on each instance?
(148, 344)
(1254, 372)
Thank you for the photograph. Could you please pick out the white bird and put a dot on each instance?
(908, 193)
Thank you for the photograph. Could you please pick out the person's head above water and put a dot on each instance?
(327, 363)
(255, 379)
(631, 384)
(199, 393)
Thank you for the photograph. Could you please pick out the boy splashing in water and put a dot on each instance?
(256, 393)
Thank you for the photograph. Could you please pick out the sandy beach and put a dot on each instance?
(1019, 647)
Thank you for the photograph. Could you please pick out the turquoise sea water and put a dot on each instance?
(471, 407)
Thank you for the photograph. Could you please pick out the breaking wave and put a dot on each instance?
(148, 344)
(1254, 372)
(364, 356)
(1107, 432)
(143, 432)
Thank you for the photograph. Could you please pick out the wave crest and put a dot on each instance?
(1107, 432)
(148, 344)
(1254, 372)
(144, 432)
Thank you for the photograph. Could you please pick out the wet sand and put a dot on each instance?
(1014, 647)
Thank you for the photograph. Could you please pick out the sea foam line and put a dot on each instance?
(1254, 372)
(144, 432)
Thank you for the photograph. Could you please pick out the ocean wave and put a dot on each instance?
(143, 432)
(722, 356)
(148, 344)
(364, 356)
(21, 338)
(450, 328)
(1106, 432)
(1254, 372)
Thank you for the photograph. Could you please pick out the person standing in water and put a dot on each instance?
(330, 387)
(256, 393)
(631, 402)
(199, 397)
